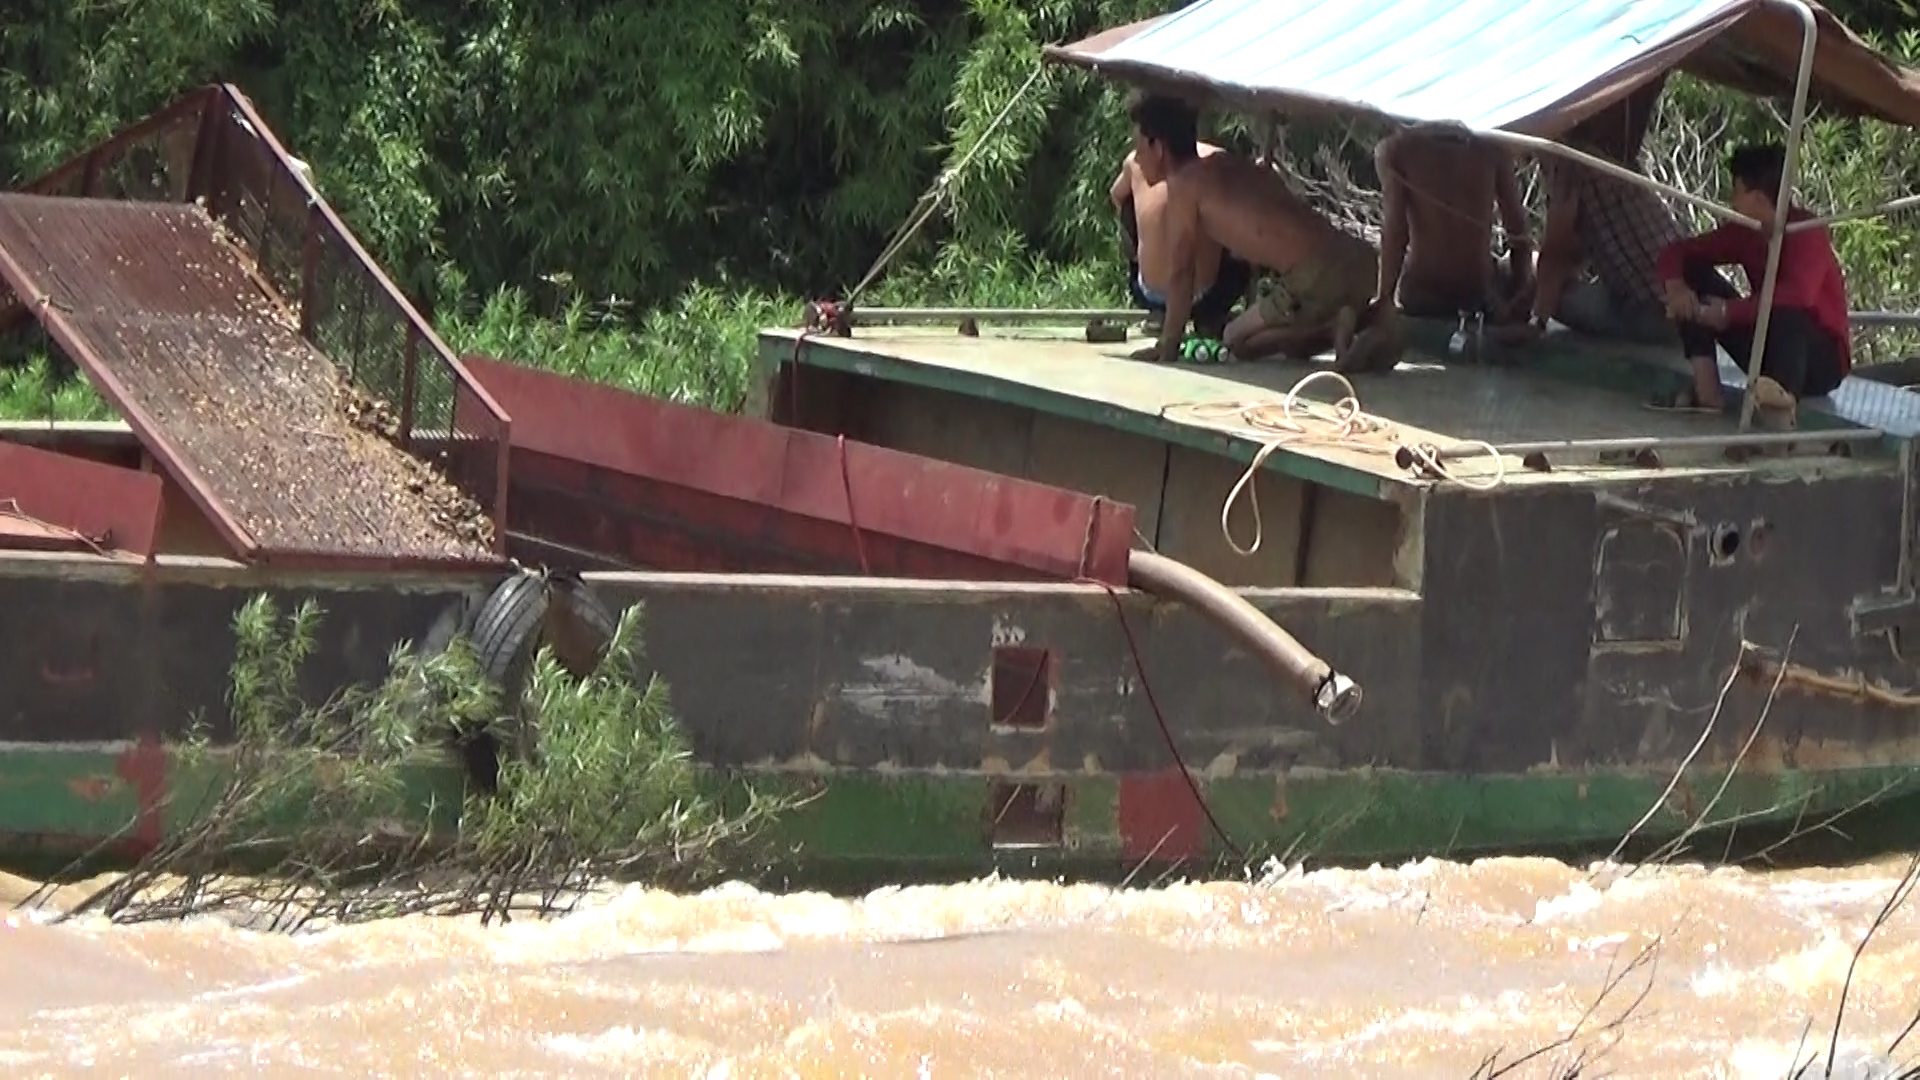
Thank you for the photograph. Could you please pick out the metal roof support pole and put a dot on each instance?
(1535, 144)
(1796, 127)
(1905, 202)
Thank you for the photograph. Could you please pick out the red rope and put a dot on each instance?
(853, 522)
(1146, 687)
(1159, 718)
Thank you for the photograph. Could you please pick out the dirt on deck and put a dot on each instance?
(252, 411)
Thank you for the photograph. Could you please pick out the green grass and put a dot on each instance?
(30, 391)
(700, 349)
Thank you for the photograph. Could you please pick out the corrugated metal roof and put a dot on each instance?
(1487, 64)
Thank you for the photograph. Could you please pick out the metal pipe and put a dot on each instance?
(1904, 320)
(1783, 197)
(1617, 171)
(1469, 451)
(863, 316)
(1335, 696)
(1904, 203)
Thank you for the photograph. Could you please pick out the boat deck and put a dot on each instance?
(1564, 389)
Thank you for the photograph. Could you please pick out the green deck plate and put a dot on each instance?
(1567, 388)
(1093, 383)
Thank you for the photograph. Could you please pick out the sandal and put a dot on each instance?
(1773, 407)
(1681, 400)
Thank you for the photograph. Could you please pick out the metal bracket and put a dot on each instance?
(828, 317)
(1896, 612)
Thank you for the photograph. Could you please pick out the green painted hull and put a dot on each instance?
(76, 798)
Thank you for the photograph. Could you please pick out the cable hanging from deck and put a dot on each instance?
(930, 201)
(1294, 422)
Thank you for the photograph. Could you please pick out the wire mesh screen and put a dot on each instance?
(210, 147)
(150, 162)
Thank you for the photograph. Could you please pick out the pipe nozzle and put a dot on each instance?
(1338, 698)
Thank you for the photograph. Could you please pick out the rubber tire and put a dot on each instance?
(506, 634)
(453, 622)
(507, 628)
(580, 626)
(523, 613)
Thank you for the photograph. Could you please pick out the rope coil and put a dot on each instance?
(1295, 422)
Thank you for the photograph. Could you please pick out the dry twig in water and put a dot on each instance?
(1648, 957)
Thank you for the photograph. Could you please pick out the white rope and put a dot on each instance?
(1295, 422)
(930, 201)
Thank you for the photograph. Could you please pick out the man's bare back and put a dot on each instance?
(1223, 202)
(1248, 209)
(1440, 193)
(1150, 209)
(1325, 276)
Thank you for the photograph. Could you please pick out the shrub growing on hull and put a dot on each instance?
(334, 811)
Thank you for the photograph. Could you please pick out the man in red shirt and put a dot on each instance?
(1809, 346)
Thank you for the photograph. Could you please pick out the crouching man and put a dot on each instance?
(1220, 278)
(1325, 278)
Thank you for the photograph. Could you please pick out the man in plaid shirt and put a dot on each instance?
(1619, 228)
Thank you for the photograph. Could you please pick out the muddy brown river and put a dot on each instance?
(1425, 969)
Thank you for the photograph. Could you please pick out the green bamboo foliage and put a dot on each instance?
(632, 169)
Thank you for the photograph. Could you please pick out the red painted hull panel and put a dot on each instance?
(56, 502)
(647, 482)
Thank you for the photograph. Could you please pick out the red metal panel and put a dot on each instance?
(673, 487)
(106, 505)
(1160, 818)
(641, 523)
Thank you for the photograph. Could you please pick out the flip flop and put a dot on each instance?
(1768, 394)
(1682, 400)
(1774, 408)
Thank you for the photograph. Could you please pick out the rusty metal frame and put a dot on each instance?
(417, 327)
(76, 344)
(206, 105)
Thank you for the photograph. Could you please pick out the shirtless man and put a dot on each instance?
(1221, 282)
(1440, 187)
(1224, 201)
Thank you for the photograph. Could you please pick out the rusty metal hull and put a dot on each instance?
(881, 697)
(621, 479)
(1585, 612)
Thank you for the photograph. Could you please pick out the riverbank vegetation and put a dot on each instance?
(628, 192)
(350, 810)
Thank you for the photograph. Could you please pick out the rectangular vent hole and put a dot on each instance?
(1020, 687)
(1028, 815)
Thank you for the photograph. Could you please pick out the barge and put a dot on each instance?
(988, 590)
